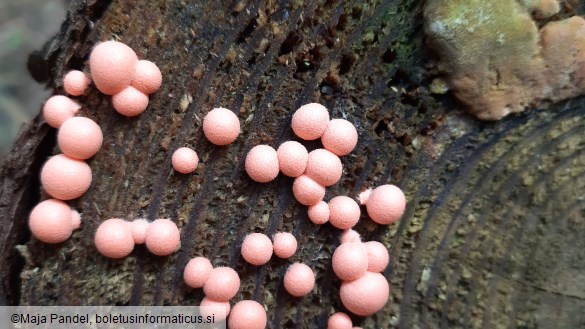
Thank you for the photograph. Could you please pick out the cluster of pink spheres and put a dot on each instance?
(115, 70)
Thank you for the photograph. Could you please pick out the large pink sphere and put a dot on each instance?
(340, 137)
(344, 212)
(197, 272)
(222, 285)
(65, 178)
(130, 101)
(262, 163)
(247, 314)
(80, 138)
(113, 238)
(112, 66)
(378, 257)
(386, 204)
(58, 109)
(339, 320)
(350, 261)
(324, 167)
(292, 158)
(257, 249)
(221, 126)
(299, 279)
(147, 77)
(163, 237)
(307, 191)
(366, 295)
(51, 221)
(319, 213)
(310, 120)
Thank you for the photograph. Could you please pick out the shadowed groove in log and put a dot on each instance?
(407, 137)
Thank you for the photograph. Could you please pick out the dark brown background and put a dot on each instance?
(493, 236)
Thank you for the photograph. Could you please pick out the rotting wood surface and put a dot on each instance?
(494, 233)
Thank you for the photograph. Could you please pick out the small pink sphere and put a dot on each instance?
(340, 137)
(285, 244)
(344, 212)
(386, 204)
(185, 160)
(247, 314)
(112, 66)
(319, 213)
(339, 320)
(147, 77)
(292, 158)
(75, 83)
(197, 272)
(80, 138)
(163, 237)
(324, 167)
(130, 101)
(307, 191)
(366, 295)
(222, 285)
(299, 280)
(65, 178)
(113, 238)
(221, 126)
(262, 163)
(59, 108)
(350, 261)
(139, 227)
(378, 257)
(51, 221)
(350, 235)
(210, 307)
(310, 121)
(257, 249)
(75, 220)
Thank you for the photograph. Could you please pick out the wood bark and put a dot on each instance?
(494, 232)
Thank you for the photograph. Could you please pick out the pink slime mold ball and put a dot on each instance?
(299, 280)
(51, 221)
(163, 237)
(139, 227)
(307, 191)
(386, 204)
(80, 138)
(366, 295)
(247, 314)
(319, 213)
(310, 120)
(221, 126)
(378, 257)
(210, 307)
(257, 249)
(262, 163)
(285, 244)
(65, 178)
(59, 108)
(339, 320)
(147, 77)
(197, 272)
(185, 160)
(340, 137)
(130, 102)
(222, 285)
(112, 66)
(324, 167)
(75, 83)
(344, 212)
(113, 238)
(350, 235)
(350, 261)
(292, 158)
